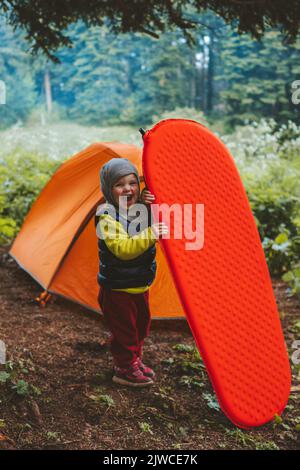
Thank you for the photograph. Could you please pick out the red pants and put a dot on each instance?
(128, 318)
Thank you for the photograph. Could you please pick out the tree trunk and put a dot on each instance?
(193, 80)
(210, 75)
(201, 96)
(48, 94)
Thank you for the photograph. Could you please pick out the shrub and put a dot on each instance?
(22, 176)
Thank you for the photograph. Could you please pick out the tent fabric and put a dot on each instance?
(57, 244)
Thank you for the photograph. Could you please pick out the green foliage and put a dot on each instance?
(183, 113)
(16, 73)
(240, 436)
(211, 401)
(22, 177)
(99, 397)
(189, 366)
(249, 441)
(152, 18)
(183, 347)
(258, 78)
(145, 427)
(189, 363)
(108, 80)
(4, 377)
(162, 77)
(133, 79)
(22, 388)
(8, 228)
(61, 140)
(268, 445)
(107, 400)
(277, 421)
(39, 116)
(293, 278)
(12, 378)
(53, 436)
(268, 158)
(281, 253)
(191, 381)
(276, 214)
(163, 398)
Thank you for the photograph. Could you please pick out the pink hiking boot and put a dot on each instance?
(147, 371)
(131, 376)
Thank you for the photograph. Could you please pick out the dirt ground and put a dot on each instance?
(56, 390)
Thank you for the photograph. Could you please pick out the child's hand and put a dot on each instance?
(159, 229)
(147, 197)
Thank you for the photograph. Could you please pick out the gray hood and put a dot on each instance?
(113, 170)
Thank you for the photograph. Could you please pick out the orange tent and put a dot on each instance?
(57, 244)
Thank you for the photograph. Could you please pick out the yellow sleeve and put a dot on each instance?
(134, 290)
(120, 243)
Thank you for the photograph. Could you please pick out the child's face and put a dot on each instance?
(126, 186)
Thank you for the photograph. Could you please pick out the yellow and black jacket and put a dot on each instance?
(126, 263)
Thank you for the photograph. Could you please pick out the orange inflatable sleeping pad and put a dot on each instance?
(224, 287)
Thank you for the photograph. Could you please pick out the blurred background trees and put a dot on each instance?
(128, 79)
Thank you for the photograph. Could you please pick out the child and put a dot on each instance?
(127, 269)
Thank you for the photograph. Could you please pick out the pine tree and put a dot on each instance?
(15, 73)
(258, 78)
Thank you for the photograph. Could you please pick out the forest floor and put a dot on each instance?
(56, 390)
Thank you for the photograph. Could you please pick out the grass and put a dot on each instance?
(146, 427)
(62, 140)
(99, 397)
